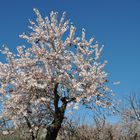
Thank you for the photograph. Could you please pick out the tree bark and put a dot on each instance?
(53, 129)
(52, 132)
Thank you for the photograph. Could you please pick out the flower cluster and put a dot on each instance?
(29, 77)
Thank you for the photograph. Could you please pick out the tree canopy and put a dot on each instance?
(57, 72)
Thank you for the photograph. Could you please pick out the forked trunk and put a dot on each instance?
(53, 129)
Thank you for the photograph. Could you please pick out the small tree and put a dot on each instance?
(131, 117)
(56, 72)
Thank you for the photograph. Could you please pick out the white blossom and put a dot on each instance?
(29, 77)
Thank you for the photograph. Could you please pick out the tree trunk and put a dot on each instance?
(53, 129)
(52, 133)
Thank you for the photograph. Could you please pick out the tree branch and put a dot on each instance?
(30, 127)
(56, 98)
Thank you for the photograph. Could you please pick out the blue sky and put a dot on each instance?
(115, 23)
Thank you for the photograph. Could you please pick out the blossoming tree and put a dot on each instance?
(57, 72)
